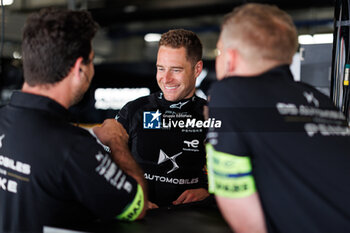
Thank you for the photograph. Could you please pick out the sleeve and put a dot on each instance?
(123, 117)
(226, 106)
(228, 162)
(100, 185)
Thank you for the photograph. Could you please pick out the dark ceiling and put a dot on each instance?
(123, 11)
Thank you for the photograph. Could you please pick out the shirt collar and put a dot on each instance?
(281, 71)
(38, 102)
(174, 104)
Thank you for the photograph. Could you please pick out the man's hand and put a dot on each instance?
(151, 205)
(191, 195)
(111, 133)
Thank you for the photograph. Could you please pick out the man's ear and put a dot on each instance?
(232, 60)
(198, 68)
(77, 68)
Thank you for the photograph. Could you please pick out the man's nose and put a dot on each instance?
(168, 77)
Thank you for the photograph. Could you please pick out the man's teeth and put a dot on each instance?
(170, 88)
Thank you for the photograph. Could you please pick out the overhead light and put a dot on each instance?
(305, 39)
(152, 37)
(316, 39)
(7, 2)
(323, 38)
(116, 98)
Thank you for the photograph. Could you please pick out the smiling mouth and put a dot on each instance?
(171, 87)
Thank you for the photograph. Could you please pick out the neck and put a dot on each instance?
(250, 69)
(57, 92)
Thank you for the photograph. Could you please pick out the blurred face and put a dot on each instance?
(176, 76)
(220, 63)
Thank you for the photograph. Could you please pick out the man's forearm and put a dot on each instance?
(123, 158)
(244, 215)
(112, 134)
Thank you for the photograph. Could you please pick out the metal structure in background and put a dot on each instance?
(2, 35)
(341, 57)
(316, 65)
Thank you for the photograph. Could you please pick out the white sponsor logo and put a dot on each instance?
(303, 110)
(111, 172)
(326, 130)
(193, 123)
(1, 137)
(171, 180)
(156, 115)
(179, 105)
(164, 157)
(151, 120)
(310, 98)
(15, 165)
(194, 143)
(191, 145)
(8, 185)
(311, 129)
(3, 172)
(3, 183)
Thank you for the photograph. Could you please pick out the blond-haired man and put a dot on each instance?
(280, 161)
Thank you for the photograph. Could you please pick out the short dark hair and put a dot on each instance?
(178, 38)
(52, 41)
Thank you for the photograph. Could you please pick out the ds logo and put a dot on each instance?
(151, 120)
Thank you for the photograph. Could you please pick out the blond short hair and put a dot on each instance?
(260, 31)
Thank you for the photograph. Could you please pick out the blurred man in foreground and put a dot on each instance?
(53, 173)
(281, 161)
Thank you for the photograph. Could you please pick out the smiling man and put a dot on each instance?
(170, 152)
(176, 76)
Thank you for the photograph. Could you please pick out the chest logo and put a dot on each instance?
(179, 105)
(151, 120)
(164, 157)
(194, 143)
(310, 98)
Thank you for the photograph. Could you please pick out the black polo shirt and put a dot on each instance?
(53, 173)
(298, 144)
(170, 151)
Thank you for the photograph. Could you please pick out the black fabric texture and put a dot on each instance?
(166, 185)
(53, 173)
(298, 144)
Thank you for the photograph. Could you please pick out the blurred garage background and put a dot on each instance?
(126, 45)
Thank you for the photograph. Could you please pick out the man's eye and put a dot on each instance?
(160, 69)
(176, 70)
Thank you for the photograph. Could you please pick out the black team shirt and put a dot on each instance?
(298, 144)
(53, 173)
(171, 154)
